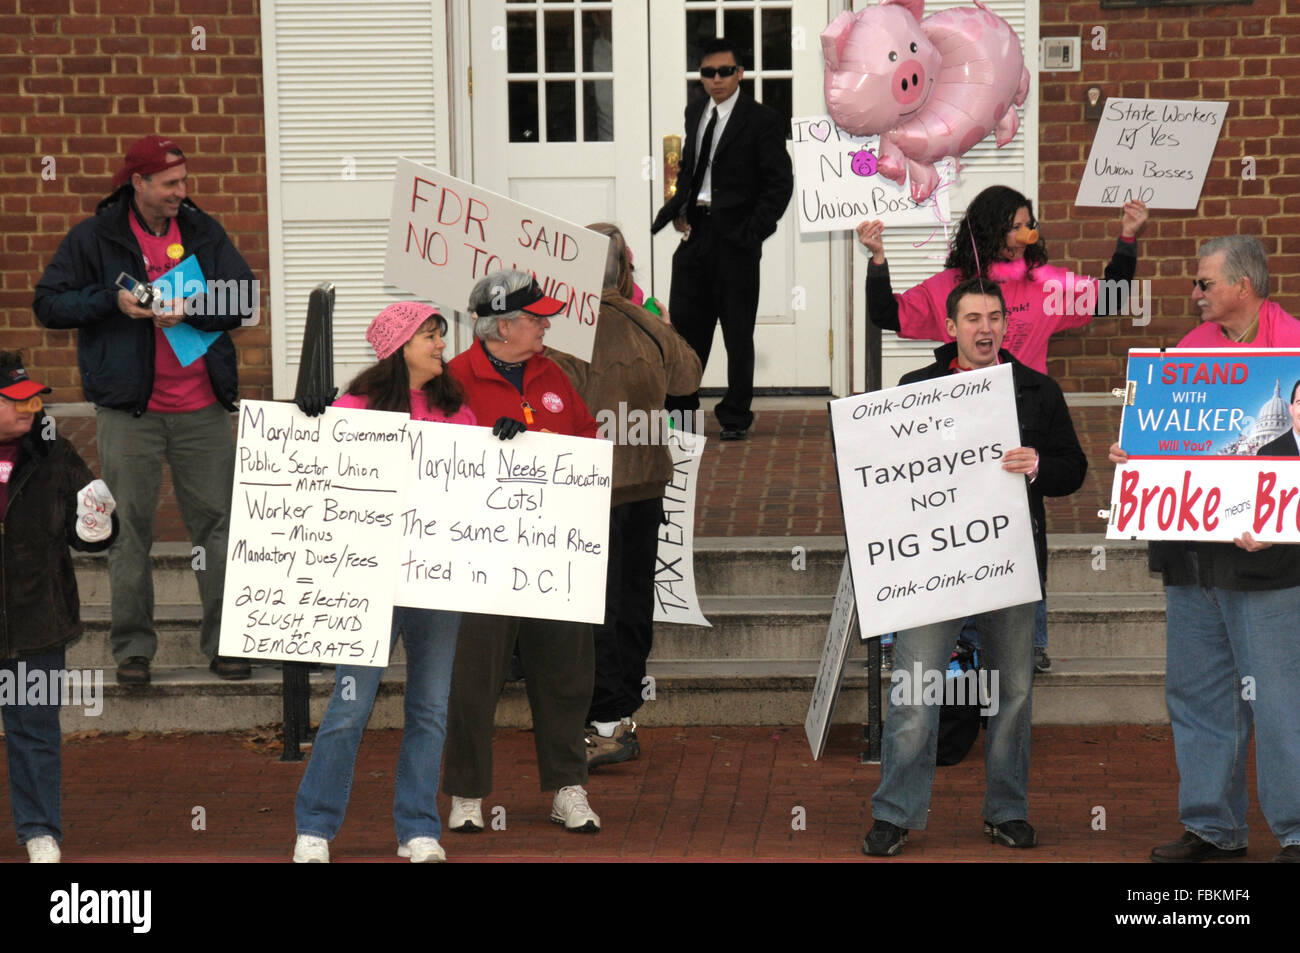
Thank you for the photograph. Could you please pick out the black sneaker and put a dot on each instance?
(1191, 849)
(884, 840)
(1041, 662)
(134, 671)
(1012, 833)
(1290, 855)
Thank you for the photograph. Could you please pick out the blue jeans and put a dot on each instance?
(430, 639)
(1214, 639)
(971, 635)
(33, 745)
(911, 735)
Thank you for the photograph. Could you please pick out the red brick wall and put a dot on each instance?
(1246, 55)
(80, 80)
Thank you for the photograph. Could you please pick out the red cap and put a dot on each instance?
(151, 154)
(16, 385)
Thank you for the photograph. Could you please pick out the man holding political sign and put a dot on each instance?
(1054, 465)
(508, 379)
(1230, 615)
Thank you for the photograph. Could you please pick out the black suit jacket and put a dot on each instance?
(752, 179)
(1283, 446)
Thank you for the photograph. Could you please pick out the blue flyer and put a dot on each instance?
(185, 281)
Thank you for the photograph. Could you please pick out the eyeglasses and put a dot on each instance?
(1203, 284)
(708, 72)
(29, 406)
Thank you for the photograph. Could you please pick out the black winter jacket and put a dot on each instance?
(116, 352)
(1045, 425)
(39, 607)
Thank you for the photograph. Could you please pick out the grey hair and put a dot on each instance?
(1243, 257)
(499, 283)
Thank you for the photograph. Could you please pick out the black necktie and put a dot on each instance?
(702, 161)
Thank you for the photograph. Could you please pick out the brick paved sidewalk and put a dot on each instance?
(696, 794)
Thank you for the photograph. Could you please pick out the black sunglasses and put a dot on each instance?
(1203, 284)
(708, 72)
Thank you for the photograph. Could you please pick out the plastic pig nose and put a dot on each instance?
(908, 80)
(1027, 236)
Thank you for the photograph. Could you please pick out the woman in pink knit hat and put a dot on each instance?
(409, 378)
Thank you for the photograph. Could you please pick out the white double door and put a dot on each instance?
(570, 104)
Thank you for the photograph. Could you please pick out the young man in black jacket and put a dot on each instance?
(1053, 465)
(149, 403)
(49, 501)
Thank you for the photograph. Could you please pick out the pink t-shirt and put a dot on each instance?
(176, 389)
(1276, 329)
(8, 457)
(420, 409)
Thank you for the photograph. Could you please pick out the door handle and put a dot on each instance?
(672, 159)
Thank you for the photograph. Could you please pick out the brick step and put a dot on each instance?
(744, 627)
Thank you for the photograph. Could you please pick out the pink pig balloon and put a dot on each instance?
(929, 88)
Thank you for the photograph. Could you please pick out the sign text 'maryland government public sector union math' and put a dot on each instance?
(1154, 150)
(311, 559)
(517, 527)
(1198, 418)
(936, 528)
(444, 234)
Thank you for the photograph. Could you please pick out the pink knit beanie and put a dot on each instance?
(393, 326)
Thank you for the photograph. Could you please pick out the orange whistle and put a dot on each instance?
(528, 413)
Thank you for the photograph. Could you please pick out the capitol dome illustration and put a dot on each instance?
(1272, 420)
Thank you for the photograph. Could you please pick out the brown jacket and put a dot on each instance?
(636, 361)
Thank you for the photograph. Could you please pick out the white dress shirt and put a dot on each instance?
(724, 113)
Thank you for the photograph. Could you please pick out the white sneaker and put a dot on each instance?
(466, 815)
(423, 850)
(310, 849)
(571, 809)
(43, 850)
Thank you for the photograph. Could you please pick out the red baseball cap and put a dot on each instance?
(151, 154)
(16, 385)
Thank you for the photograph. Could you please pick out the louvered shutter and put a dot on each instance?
(349, 85)
(1014, 165)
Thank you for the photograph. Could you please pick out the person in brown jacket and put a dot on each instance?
(636, 361)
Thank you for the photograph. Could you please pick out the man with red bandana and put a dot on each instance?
(149, 403)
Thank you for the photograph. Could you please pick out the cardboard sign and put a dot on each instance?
(838, 185)
(675, 598)
(936, 528)
(1153, 150)
(1207, 402)
(444, 234)
(517, 527)
(311, 561)
(826, 689)
(1198, 418)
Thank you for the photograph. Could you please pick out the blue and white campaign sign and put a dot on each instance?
(1195, 422)
(1207, 402)
(936, 528)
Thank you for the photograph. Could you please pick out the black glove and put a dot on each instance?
(506, 427)
(313, 405)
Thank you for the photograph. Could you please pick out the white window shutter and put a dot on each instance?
(349, 86)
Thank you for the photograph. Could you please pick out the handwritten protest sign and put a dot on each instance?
(826, 689)
(1154, 150)
(517, 527)
(838, 185)
(1198, 418)
(675, 598)
(444, 234)
(311, 558)
(936, 528)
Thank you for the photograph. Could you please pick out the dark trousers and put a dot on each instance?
(623, 642)
(716, 279)
(557, 659)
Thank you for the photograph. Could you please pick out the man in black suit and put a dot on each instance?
(732, 189)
